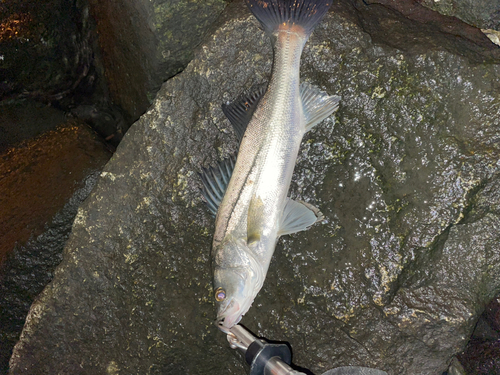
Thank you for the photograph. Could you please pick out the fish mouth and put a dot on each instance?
(229, 317)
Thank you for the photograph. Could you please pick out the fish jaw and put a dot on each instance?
(230, 316)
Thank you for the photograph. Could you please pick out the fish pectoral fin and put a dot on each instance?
(298, 216)
(316, 104)
(255, 220)
(215, 180)
(240, 112)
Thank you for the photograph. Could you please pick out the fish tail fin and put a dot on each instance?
(273, 14)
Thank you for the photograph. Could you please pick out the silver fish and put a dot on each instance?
(255, 210)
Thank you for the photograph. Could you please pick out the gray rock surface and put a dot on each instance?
(30, 267)
(144, 43)
(26, 119)
(42, 183)
(409, 26)
(44, 49)
(407, 177)
(484, 14)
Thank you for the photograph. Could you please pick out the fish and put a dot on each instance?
(250, 195)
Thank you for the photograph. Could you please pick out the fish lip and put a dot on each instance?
(230, 316)
(220, 324)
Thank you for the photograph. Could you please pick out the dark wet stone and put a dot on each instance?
(407, 178)
(482, 357)
(45, 49)
(482, 354)
(48, 55)
(411, 27)
(24, 119)
(40, 175)
(42, 183)
(455, 368)
(107, 120)
(144, 43)
(484, 14)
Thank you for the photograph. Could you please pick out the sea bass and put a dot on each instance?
(255, 210)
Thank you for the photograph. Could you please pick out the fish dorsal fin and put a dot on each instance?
(239, 113)
(255, 220)
(316, 104)
(215, 180)
(298, 216)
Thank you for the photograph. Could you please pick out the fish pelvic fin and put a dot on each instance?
(215, 180)
(240, 112)
(316, 104)
(298, 216)
(255, 220)
(275, 14)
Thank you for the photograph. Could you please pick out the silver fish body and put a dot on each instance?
(255, 210)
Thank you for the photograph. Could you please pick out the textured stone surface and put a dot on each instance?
(48, 55)
(484, 14)
(38, 177)
(144, 43)
(26, 119)
(410, 26)
(482, 355)
(407, 177)
(42, 183)
(43, 48)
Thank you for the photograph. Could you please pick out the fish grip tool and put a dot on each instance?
(263, 357)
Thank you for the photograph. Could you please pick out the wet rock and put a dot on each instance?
(482, 355)
(407, 176)
(484, 14)
(144, 43)
(46, 51)
(48, 55)
(24, 119)
(42, 183)
(107, 120)
(39, 176)
(455, 368)
(415, 28)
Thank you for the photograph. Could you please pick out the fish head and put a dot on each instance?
(235, 288)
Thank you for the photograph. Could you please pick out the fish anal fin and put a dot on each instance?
(316, 104)
(298, 216)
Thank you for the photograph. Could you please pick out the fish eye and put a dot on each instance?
(220, 294)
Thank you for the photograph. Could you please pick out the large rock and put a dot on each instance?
(484, 14)
(42, 183)
(143, 43)
(407, 25)
(482, 355)
(396, 277)
(44, 48)
(25, 119)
